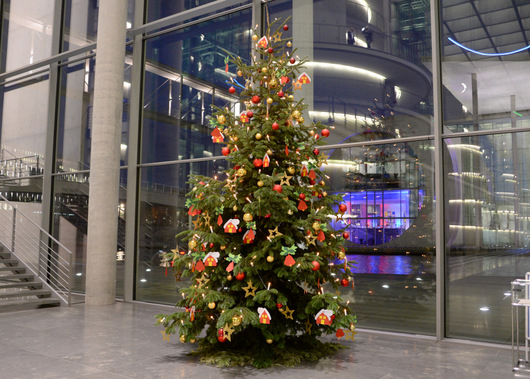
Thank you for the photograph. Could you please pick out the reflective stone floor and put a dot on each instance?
(121, 341)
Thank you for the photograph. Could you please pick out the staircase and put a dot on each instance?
(19, 290)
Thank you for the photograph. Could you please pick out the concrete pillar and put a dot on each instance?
(303, 42)
(105, 154)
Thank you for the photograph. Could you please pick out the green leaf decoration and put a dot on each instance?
(288, 250)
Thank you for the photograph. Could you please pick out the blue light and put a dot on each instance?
(488, 54)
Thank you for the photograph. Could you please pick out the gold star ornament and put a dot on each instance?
(250, 290)
(273, 233)
(288, 313)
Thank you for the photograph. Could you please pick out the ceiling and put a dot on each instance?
(487, 26)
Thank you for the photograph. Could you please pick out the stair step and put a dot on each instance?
(38, 293)
(19, 270)
(5, 254)
(13, 262)
(12, 305)
(21, 277)
(36, 285)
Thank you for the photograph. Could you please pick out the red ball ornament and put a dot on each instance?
(280, 93)
(344, 282)
(301, 196)
(225, 151)
(316, 265)
(325, 132)
(320, 196)
(211, 245)
(343, 208)
(286, 27)
(316, 151)
(275, 126)
(312, 182)
(221, 335)
(258, 162)
(270, 50)
(232, 89)
(255, 100)
(317, 136)
(278, 188)
(279, 305)
(292, 60)
(240, 275)
(346, 235)
(250, 114)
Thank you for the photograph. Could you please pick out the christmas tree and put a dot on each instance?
(262, 248)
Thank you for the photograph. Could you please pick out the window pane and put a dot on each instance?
(487, 231)
(185, 75)
(483, 74)
(388, 190)
(23, 133)
(162, 215)
(70, 221)
(29, 32)
(74, 135)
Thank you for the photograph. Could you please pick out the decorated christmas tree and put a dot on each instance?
(264, 263)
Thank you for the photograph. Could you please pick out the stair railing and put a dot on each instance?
(41, 253)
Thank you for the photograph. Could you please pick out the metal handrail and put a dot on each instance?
(46, 257)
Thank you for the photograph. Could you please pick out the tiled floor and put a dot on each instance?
(121, 341)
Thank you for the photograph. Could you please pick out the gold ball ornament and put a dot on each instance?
(290, 97)
(301, 120)
(260, 183)
(270, 258)
(211, 305)
(240, 73)
(316, 225)
(269, 152)
(264, 69)
(322, 183)
(269, 100)
(291, 170)
(289, 212)
(241, 172)
(192, 340)
(182, 338)
(247, 217)
(254, 37)
(236, 320)
(352, 327)
(221, 119)
(192, 244)
(312, 132)
(342, 255)
(273, 83)
(234, 208)
(236, 138)
(296, 114)
(269, 341)
(324, 194)
(229, 277)
(223, 247)
(258, 136)
(289, 44)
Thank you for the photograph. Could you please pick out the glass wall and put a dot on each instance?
(485, 175)
(370, 67)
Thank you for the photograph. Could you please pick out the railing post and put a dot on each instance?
(70, 278)
(13, 230)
